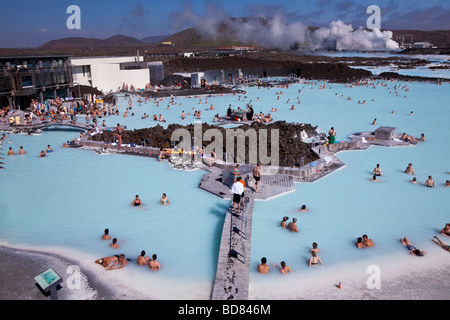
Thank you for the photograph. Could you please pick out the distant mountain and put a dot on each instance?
(191, 38)
(121, 40)
(72, 43)
(94, 43)
(184, 38)
(154, 39)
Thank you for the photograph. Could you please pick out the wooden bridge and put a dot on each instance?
(50, 124)
(233, 266)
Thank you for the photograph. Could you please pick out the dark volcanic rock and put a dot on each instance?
(291, 148)
(177, 81)
(80, 89)
(396, 76)
(334, 72)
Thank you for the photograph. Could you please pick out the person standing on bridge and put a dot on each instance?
(237, 189)
(257, 176)
(332, 136)
(119, 135)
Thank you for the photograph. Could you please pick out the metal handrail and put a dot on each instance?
(243, 228)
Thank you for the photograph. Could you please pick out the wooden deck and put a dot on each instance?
(46, 125)
(270, 186)
(233, 266)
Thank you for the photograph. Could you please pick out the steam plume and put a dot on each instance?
(278, 32)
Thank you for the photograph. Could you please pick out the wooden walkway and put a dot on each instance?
(271, 186)
(45, 125)
(233, 266)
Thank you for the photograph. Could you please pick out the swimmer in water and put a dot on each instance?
(441, 244)
(120, 261)
(283, 222)
(106, 261)
(359, 243)
(314, 248)
(153, 264)
(106, 236)
(142, 260)
(409, 169)
(263, 267)
(292, 226)
(285, 268)
(303, 208)
(366, 241)
(114, 244)
(136, 202)
(164, 200)
(422, 138)
(446, 230)
(314, 260)
(377, 170)
(414, 180)
(412, 250)
(429, 183)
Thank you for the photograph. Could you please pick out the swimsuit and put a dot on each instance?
(137, 203)
(153, 267)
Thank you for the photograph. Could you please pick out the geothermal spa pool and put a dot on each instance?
(62, 203)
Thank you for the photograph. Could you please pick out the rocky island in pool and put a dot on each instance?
(291, 147)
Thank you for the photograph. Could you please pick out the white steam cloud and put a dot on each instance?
(342, 36)
(278, 32)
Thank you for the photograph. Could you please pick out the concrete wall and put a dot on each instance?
(106, 75)
(215, 76)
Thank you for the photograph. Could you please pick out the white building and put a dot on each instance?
(110, 73)
(422, 45)
(213, 76)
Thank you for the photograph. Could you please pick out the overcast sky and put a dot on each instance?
(30, 23)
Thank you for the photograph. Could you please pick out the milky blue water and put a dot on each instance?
(62, 203)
